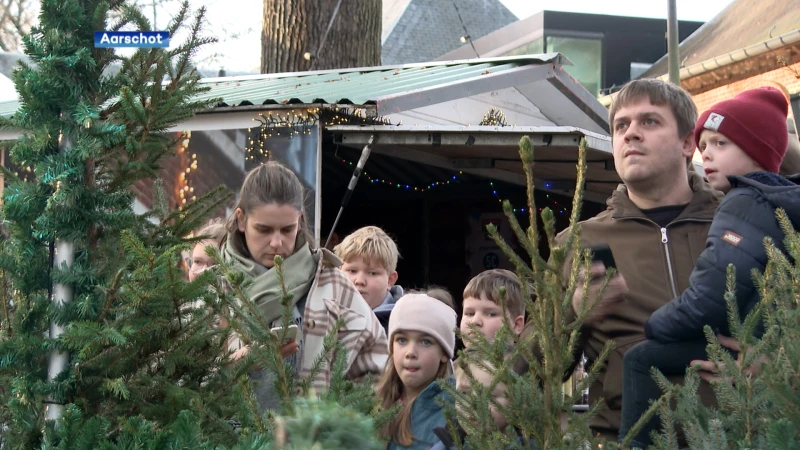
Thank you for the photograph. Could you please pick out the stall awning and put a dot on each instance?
(493, 152)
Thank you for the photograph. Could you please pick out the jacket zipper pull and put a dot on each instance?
(664, 241)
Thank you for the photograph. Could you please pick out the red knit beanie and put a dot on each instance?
(754, 120)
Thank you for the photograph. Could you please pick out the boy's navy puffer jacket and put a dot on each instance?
(743, 219)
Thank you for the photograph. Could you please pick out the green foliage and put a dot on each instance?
(538, 399)
(147, 364)
(136, 433)
(316, 424)
(139, 338)
(320, 424)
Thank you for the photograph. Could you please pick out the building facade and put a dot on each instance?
(605, 51)
(747, 45)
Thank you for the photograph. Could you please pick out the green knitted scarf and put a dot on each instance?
(299, 271)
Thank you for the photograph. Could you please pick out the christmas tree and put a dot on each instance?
(104, 343)
(98, 320)
(319, 424)
(782, 373)
(538, 402)
(314, 425)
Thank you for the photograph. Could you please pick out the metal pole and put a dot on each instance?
(64, 253)
(672, 43)
(352, 186)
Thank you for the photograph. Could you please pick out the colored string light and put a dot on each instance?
(555, 206)
(405, 186)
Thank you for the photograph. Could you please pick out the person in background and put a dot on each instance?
(655, 225)
(481, 306)
(199, 261)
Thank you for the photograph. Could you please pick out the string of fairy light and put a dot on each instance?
(25, 172)
(290, 124)
(494, 118)
(270, 125)
(184, 188)
(554, 205)
(299, 123)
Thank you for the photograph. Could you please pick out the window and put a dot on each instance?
(637, 69)
(586, 56)
(534, 47)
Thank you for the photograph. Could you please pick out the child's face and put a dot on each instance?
(721, 158)
(487, 316)
(371, 279)
(416, 358)
(498, 395)
(200, 260)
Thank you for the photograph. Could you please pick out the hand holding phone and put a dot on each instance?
(602, 253)
(615, 291)
(291, 333)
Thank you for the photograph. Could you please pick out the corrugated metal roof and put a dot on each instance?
(363, 86)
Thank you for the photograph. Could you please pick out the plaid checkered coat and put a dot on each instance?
(332, 296)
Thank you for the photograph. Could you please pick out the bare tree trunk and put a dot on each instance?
(16, 19)
(292, 28)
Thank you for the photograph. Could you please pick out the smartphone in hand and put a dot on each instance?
(602, 253)
(291, 333)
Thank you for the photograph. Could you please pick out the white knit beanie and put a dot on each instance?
(419, 312)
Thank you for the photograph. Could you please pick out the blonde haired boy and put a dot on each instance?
(370, 262)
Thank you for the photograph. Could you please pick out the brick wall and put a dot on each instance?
(786, 77)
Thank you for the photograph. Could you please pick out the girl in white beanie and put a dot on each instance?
(421, 344)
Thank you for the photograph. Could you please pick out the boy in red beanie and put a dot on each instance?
(742, 141)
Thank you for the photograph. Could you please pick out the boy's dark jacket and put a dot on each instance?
(744, 218)
(384, 310)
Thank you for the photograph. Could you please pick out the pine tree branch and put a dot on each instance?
(518, 263)
(526, 155)
(577, 199)
(221, 425)
(250, 398)
(111, 295)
